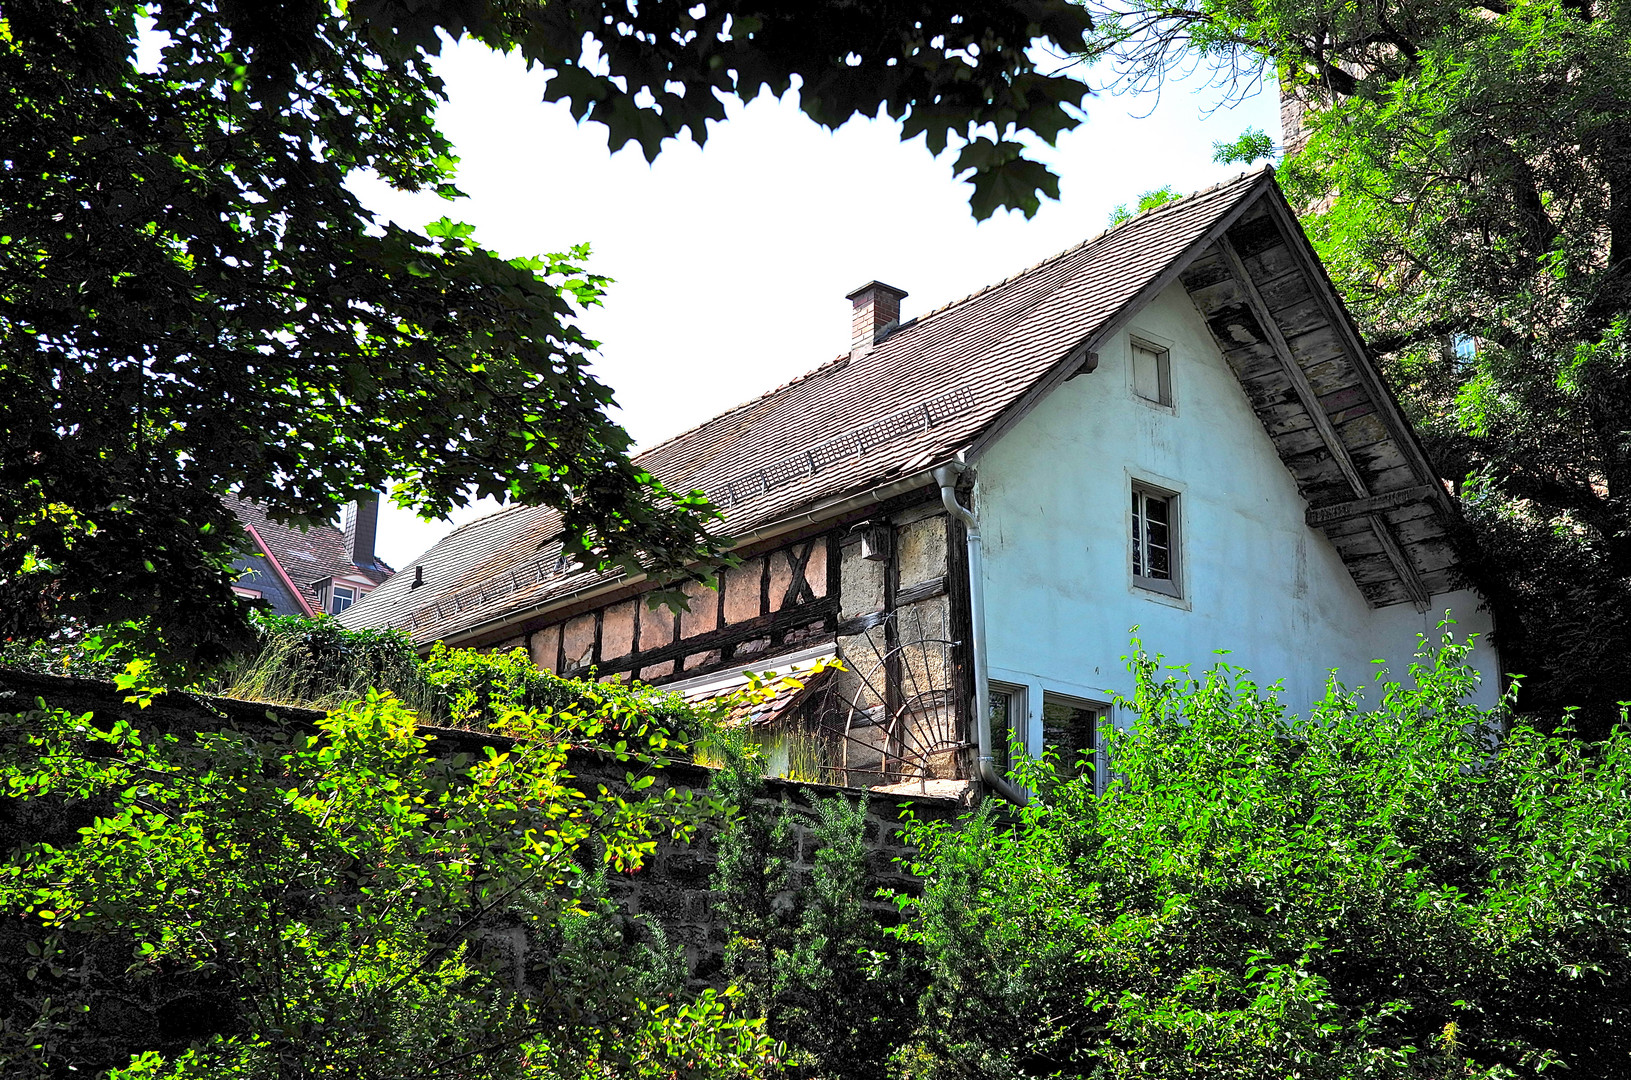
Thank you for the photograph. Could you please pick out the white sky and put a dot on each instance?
(731, 262)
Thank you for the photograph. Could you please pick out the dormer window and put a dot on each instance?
(340, 598)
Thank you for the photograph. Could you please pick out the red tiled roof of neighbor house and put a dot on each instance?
(306, 557)
(925, 392)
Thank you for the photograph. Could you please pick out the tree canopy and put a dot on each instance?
(1465, 171)
(192, 302)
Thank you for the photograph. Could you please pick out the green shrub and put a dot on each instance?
(807, 955)
(1399, 892)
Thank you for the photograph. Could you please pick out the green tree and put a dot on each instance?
(1467, 181)
(1396, 891)
(347, 901)
(1147, 201)
(806, 952)
(192, 302)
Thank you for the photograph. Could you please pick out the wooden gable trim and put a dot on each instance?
(1320, 516)
(282, 574)
(1418, 592)
(1387, 405)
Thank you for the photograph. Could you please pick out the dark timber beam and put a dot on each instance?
(1389, 500)
(1294, 372)
(1322, 423)
(1413, 583)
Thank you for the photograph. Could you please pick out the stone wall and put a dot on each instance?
(672, 888)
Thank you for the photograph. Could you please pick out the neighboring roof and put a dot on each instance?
(306, 557)
(941, 383)
(793, 684)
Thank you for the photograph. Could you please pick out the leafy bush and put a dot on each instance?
(344, 903)
(317, 663)
(1402, 892)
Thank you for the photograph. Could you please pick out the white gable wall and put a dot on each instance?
(1053, 496)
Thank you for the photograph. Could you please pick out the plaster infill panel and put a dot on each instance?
(545, 647)
(617, 630)
(742, 585)
(921, 550)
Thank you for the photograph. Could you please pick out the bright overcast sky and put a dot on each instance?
(731, 262)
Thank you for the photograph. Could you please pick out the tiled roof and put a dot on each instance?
(307, 557)
(924, 393)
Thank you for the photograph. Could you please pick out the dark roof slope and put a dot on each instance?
(926, 392)
(308, 556)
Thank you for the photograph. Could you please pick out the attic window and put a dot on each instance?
(1152, 373)
(340, 598)
(1155, 540)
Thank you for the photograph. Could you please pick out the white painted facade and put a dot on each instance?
(1054, 501)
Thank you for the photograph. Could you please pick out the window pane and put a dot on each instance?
(1138, 534)
(1002, 727)
(1070, 728)
(1152, 536)
(1147, 373)
(342, 599)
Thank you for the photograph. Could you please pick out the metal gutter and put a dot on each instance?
(946, 476)
(815, 515)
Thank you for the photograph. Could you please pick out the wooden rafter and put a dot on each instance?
(1322, 422)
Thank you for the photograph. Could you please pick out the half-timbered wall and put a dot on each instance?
(773, 602)
(878, 589)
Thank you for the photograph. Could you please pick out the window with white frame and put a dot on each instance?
(1155, 540)
(1007, 722)
(340, 598)
(1070, 728)
(1152, 372)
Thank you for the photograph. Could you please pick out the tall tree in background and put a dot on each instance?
(1467, 179)
(193, 303)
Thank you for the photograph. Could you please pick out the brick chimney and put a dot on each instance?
(877, 311)
(360, 524)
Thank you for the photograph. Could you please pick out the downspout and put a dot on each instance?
(946, 476)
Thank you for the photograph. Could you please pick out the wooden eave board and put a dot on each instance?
(1341, 384)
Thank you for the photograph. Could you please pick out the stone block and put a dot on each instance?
(861, 583)
(920, 549)
(617, 630)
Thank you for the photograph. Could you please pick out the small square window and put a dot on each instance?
(340, 598)
(1152, 373)
(1155, 540)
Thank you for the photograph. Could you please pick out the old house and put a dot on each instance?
(1173, 425)
(305, 572)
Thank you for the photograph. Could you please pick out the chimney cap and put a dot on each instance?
(875, 286)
